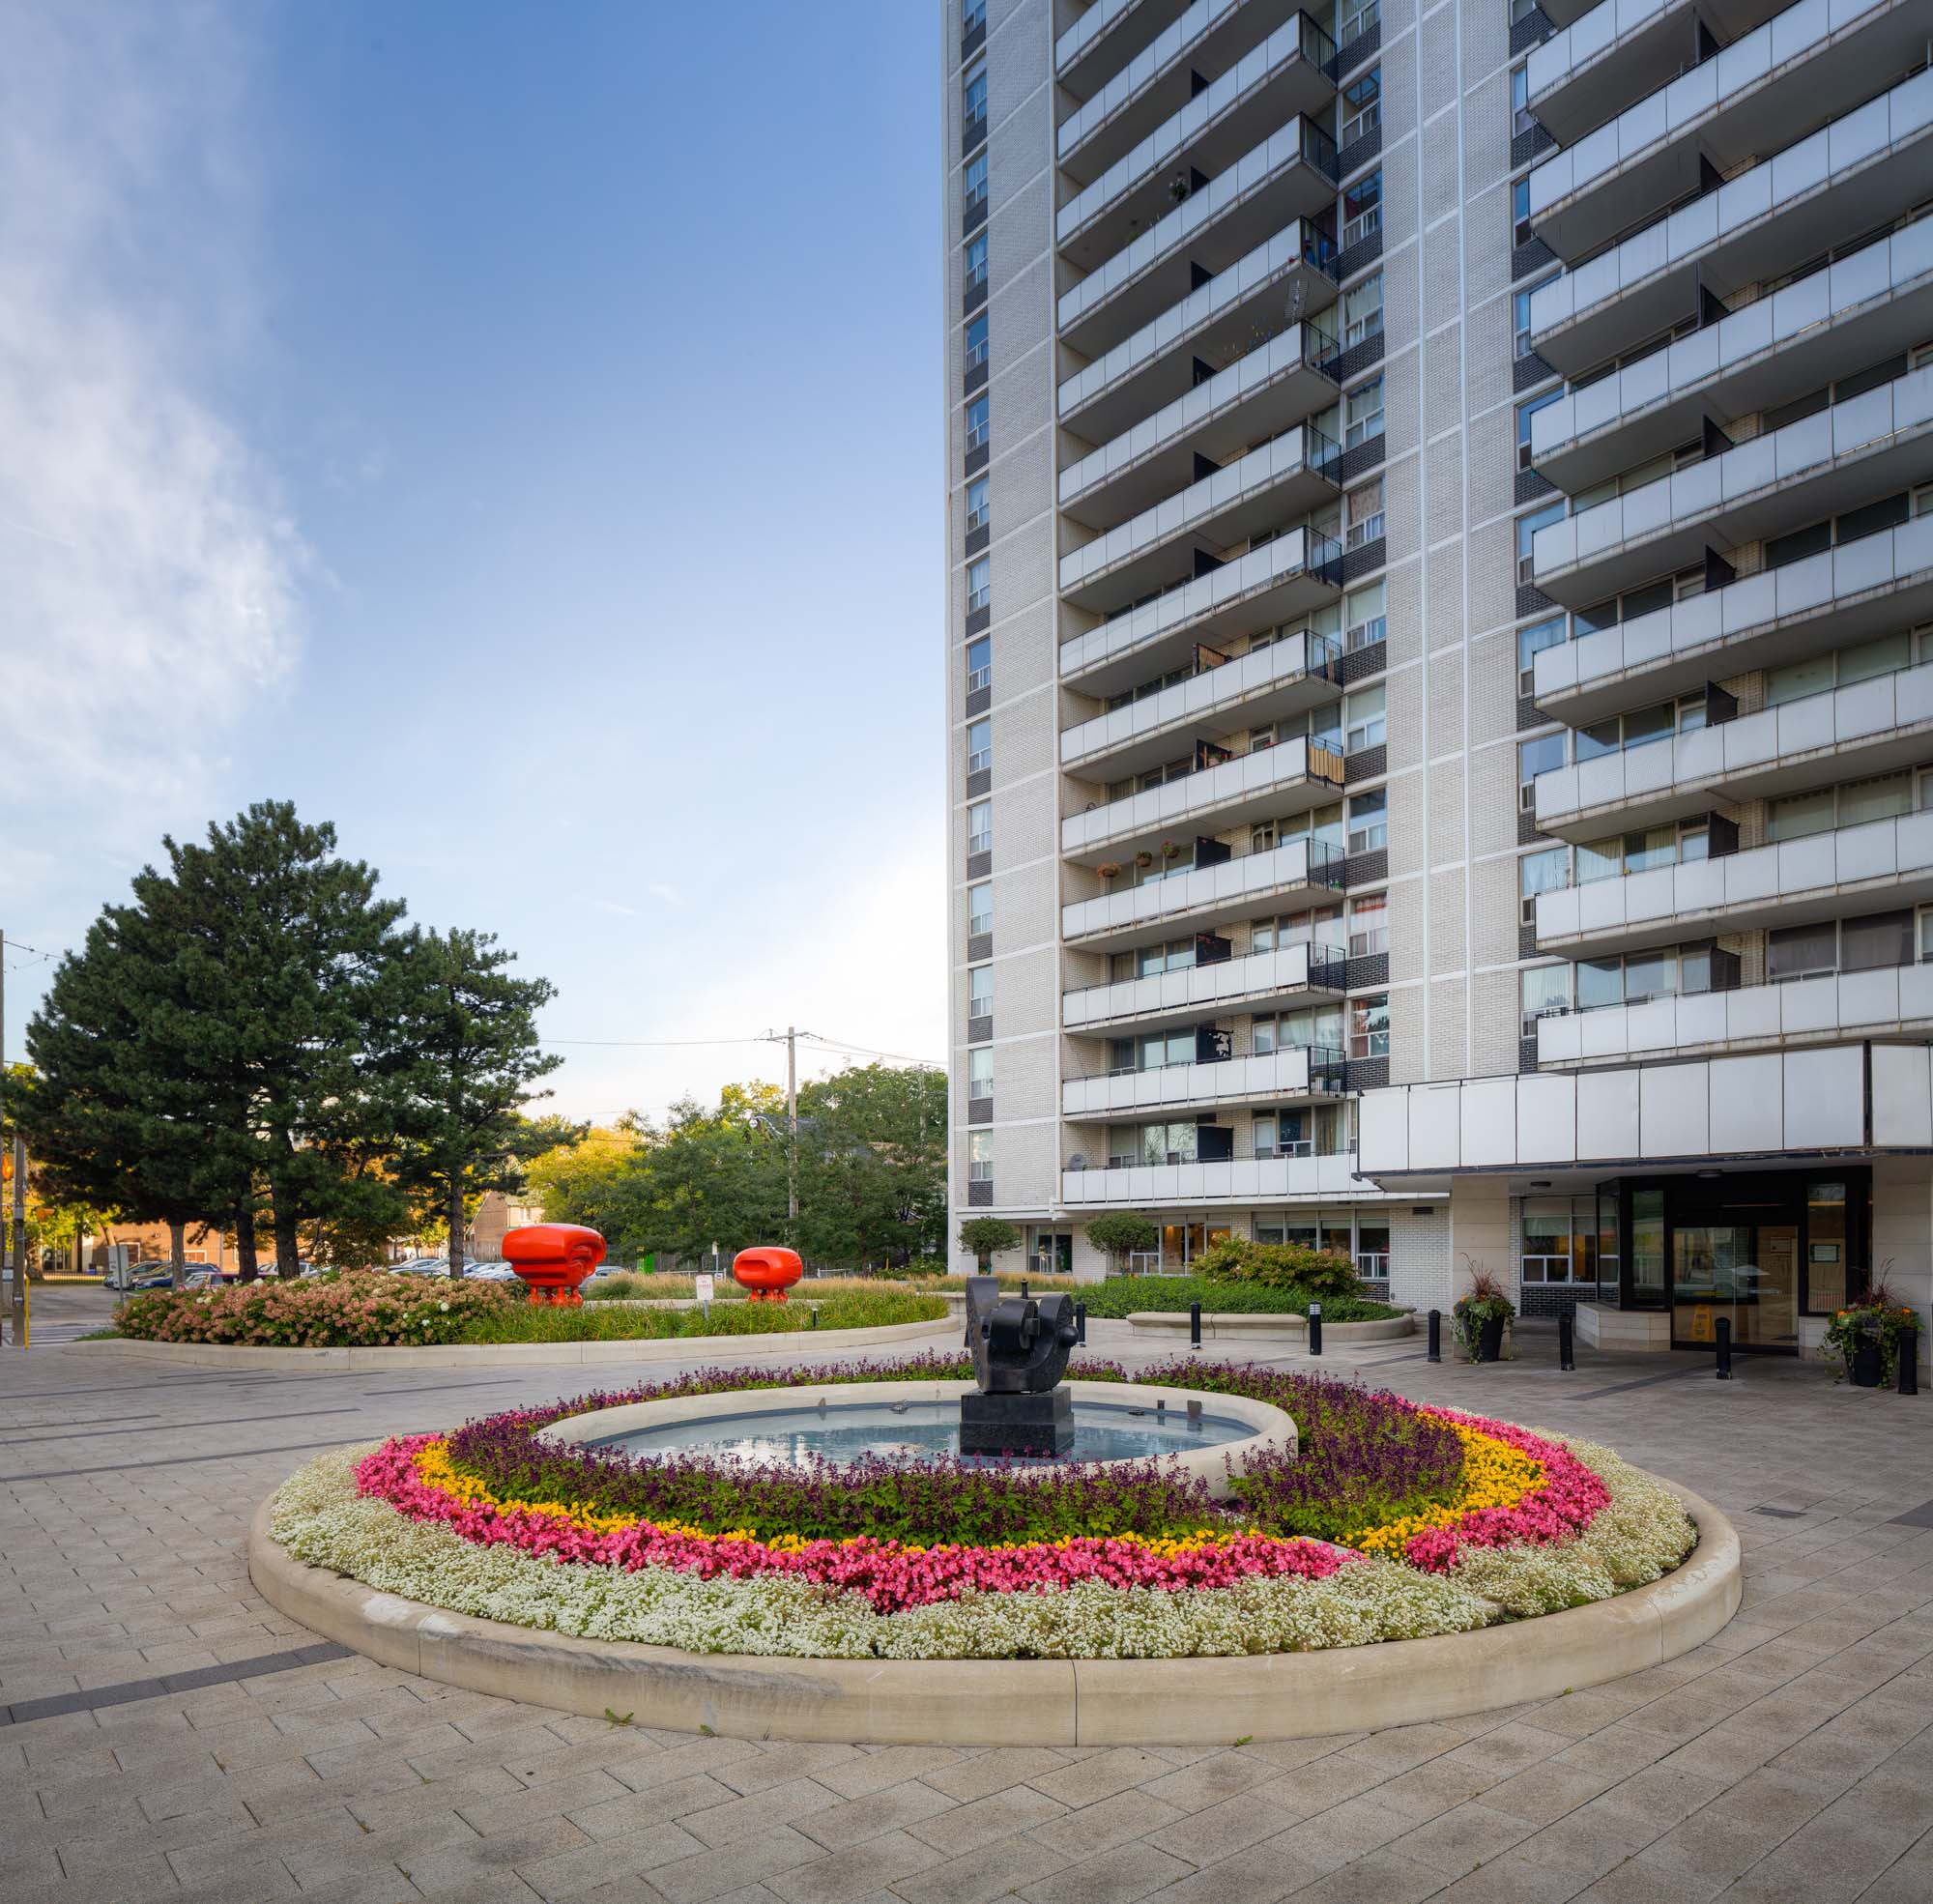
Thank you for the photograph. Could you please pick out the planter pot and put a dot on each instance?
(1491, 1340)
(1866, 1364)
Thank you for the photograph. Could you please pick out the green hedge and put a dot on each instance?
(1128, 1295)
(533, 1322)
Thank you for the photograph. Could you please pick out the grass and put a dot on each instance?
(629, 1285)
(534, 1322)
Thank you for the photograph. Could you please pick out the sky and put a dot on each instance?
(513, 433)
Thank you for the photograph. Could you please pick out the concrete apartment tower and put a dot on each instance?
(1441, 504)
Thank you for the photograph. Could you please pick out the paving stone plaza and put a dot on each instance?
(165, 1734)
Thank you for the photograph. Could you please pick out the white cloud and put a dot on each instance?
(151, 589)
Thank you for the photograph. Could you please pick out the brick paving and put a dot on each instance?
(1791, 1757)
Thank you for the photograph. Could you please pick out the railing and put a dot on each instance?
(1372, 1265)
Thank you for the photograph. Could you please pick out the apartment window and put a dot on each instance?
(980, 1072)
(979, 746)
(1318, 928)
(976, 262)
(1363, 209)
(1545, 870)
(979, 1156)
(1363, 311)
(1355, 18)
(973, 14)
(1545, 992)
(1526, 531)
(1369, 1027)
(980, 826)
(1369, 925)
(1363, 618)
(1131, 1144)
(1521, 120)
(1531, 642)
(974, 98)
(1157, 1051)
(1854, 804)
(979, 664)
(979, 509)
(1868, 943)
(1362, 107)
(1560, 1240)
(973, 184)
(1363, 719)
(1819, 674)
(1363, 411)
(1535, 757)
(1314, 1029)
(980, 909)
(979, 583)
(980, 992)
(978, 422)
(1524, 413)
(1521, 232)
(1369, 829)
(1644, 850)
(976, 342)
(1366, 512)
(1520, 314)
(1177, 955)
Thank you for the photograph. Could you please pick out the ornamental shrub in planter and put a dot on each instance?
(1280, 1266)
(1482, 1314)
(1864, 1336)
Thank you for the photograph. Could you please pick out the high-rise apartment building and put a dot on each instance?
(1440, 508)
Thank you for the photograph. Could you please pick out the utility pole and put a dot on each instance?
(17, 1257)
(792, 1037)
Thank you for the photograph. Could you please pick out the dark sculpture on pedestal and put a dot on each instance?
(1019, 1346)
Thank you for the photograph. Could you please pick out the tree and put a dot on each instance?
(591, 1182)
(463, 1060)
(985, 1236)
(1122, 1233)
(873, 1166)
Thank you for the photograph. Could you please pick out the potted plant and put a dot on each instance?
(1144, 858)
(1170, 849)
(1110, 869)
(1481, 1315)
(1866, 1336)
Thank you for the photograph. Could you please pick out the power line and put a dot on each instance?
(757, 1038)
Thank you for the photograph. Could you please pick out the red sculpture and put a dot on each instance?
(553, 1258)
(767, 1272)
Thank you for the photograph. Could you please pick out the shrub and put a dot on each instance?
(1125, 1296)
(1281, 1266)
(1122, 1233)
(541, 1322)
(987, 1236)
(1483, 1301)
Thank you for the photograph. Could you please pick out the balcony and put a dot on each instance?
(1862, 170)
(1892, 1001)
(1289, 876)
(1273, 82)
(1833, 461)
(1824, 876)
(1241, 1181)
(1290, 575)
(1770, 1104)
(1266, 784)
(1280, 980)
(1284, 479)
(1221, 320)
(1107, 36)
(1613, 54)
(1210, 37)
(1870, 305)
(1236, 1081)
(1290, 676)
(1870, 727)
(1834, 599)
(1801, 68)
(1292, 173)
(1277, 385)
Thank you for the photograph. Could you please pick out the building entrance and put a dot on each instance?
(1746, 1274)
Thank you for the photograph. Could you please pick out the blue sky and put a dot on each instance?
(513, 433)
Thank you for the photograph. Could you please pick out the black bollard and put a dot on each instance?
(1081, 1325)
(1435, 1336)
(1721, 1332)
(1566, 1359)
(1023, 1288)
(1909, 1361)
(814, 1323)
(1315, 1328)
(1194, 1325)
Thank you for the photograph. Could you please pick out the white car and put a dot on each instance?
(490, 1272)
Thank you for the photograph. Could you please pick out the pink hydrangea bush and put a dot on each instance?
(359, 1309)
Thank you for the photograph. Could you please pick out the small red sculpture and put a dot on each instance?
(767, 1272)
(553, 1258)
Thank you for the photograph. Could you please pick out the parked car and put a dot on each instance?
(490, 1272)
(205, 1278)
(150, 1276)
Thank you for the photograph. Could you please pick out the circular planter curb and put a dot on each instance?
(517, 1355)
(1027, 1702)
(1338, 1335)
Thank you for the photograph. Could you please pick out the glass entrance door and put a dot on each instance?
(1746, 1274)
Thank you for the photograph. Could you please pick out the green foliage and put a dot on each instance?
(1279, 1265)
(1123, 1233)
(1878, 1316)
(987, 1237)
(1129, 1295)
(542, 1322)
(872, 1166)
(1484, 1301)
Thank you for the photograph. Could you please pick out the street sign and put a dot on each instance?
(700, 1287)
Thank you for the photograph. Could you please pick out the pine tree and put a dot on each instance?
(463, 1058)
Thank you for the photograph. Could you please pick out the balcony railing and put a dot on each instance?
(1293, 972)
(1239, 1181)
(1205, 895)
(1283, 1073)
(1613, 53)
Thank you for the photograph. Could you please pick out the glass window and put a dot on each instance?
(1369, 1027)
(1524, 413)
(1369, 830)
(1363, 209)
(980, 826)
(979, 1156)
(1539, 755)
(1828, 1265)
(1649, 975)
(1521, 119)
(976, 342)
(979, 746)
(1793, 682)
(1799, 813)
(1885, 657)
(976, 259)
(1878, 798)
(1876, 939)
(1654, 846)
(973, 14)
(978, 506)
(1545, 870)
(1520, 314)
(980, 908)
(1363, 719)
(1366, 512)
(1600, 982)
(980, 992)
(1361, 113)
(1362, 619)
(979, 413)
(1521, 211)
(979, 583)
(1531, 642)
(1369, 925)
(1545, 992)
(1363, 311)
(1801, 951)
(980, 1072)
(1599, 859)
(973, 181)
(1526, 528)
(1362, 409)
(979, 664)
(973, 95)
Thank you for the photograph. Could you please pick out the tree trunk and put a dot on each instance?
(288, 1246)
(246, 1269)
(456, 1226)
(178, 1252)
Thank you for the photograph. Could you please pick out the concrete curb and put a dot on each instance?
(1027, 1702)
(520, 1355)
(1336, 1335)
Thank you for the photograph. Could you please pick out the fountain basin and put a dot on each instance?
(915, 1421)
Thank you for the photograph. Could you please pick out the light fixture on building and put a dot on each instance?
(1709, 1176)
(1540, 1183)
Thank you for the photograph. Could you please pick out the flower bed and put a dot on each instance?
(360, 1310)
(1399, 1521)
